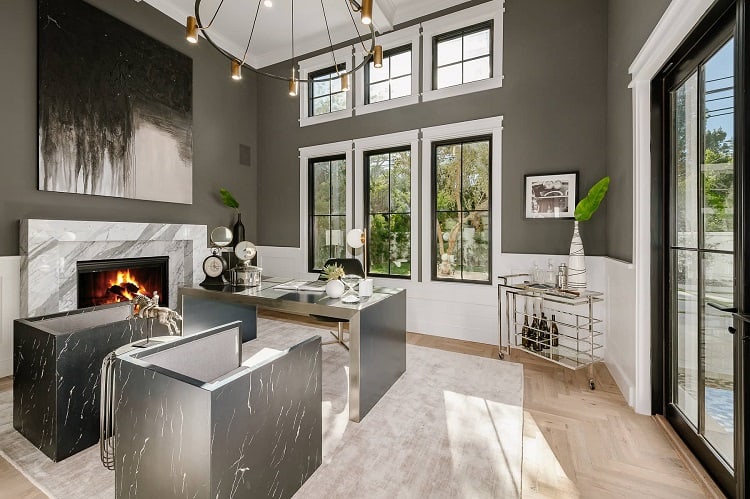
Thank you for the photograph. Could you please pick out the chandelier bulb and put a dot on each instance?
(366, 11)
(345, 82)
(191, 29)
(267, 3)
(377, 56)
(236, 70)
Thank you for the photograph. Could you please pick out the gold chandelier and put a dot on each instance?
(195, 25)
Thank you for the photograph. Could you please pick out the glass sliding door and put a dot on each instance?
(700, 351)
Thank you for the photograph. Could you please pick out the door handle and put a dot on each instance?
(721, 308)
(742, 317)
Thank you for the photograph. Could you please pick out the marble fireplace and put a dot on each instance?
(52, 249)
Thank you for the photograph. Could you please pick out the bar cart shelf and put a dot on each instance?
(578, 343)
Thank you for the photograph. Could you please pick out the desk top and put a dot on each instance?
(304, 302)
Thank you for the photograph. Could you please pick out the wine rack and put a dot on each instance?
(578, 342)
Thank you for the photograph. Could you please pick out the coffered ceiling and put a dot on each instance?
(271, 41)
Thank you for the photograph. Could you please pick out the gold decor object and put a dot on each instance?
(195, 26)
(377, 56)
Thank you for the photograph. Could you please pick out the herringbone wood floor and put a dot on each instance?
(577, 442)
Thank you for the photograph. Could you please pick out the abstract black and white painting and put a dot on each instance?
(115, 108)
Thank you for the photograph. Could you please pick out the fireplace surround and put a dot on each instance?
(51, 249)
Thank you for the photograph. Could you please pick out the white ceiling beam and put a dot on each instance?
(384, 14)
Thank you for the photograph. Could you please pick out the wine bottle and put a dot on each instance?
(544, 333)
(525, 331)
(533, 333)
(554, 332)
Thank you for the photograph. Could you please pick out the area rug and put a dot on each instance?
(451, 426)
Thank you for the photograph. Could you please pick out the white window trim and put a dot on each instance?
(388, 41)
(361, 146)
(484, 12)
(313, 64)
(493, 126)
(305, 155)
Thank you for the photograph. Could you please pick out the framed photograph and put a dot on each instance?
(550, 196)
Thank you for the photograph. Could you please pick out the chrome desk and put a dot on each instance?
(377, 327)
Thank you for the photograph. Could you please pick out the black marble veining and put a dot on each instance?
(255, 432)
(57, 363)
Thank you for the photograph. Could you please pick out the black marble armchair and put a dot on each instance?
(57, 359)
(192, 420)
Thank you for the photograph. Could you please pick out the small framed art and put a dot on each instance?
(550, 196)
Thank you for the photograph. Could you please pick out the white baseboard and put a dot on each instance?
(10, 307)
(624, 383)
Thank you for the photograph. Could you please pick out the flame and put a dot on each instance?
(122, 279)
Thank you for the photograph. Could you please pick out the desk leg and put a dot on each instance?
(377, 353)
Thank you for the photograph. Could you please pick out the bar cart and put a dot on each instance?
(574, 342)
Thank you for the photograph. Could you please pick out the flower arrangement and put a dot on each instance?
(333, 272)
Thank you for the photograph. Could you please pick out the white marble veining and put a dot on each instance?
(51, 248)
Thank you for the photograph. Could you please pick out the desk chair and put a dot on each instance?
(351, 266)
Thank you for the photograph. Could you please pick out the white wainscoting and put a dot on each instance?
(621, 352)
(451, 310)
(470, 312)
(10, 305)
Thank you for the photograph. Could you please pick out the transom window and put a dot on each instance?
(462, 56)
(326, 95)
(388, 202)
(461, 180)
(391, 81)
(327, 210)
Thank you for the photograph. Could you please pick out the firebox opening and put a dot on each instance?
(111, 281)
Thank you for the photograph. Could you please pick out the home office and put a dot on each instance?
(443, 130)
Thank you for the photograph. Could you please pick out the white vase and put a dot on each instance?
(334, 288)
(576, 261)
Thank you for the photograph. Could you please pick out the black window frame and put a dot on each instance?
(433, 207)
(367, 213)
(387, 54)
(328, 71)
(311, 216)
(461, 33)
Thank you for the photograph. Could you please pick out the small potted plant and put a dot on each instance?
(585, 208)
(333, 274)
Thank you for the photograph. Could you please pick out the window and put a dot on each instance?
(321, 98)
(462, 56)
(461, 206)
(326, 210)
(388, 204)
(325, 93)
(391, 81)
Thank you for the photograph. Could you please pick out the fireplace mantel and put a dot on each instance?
(51, 248)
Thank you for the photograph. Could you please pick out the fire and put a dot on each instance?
(126, 285)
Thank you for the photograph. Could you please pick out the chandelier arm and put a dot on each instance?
(232, 57)
(356, 27)
(330, 41)
(252, 30)
(213, 18)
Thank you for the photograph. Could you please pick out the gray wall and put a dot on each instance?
(554, 105)
(224, 116)
(629, 24)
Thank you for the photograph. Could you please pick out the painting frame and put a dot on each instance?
(550, 195)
